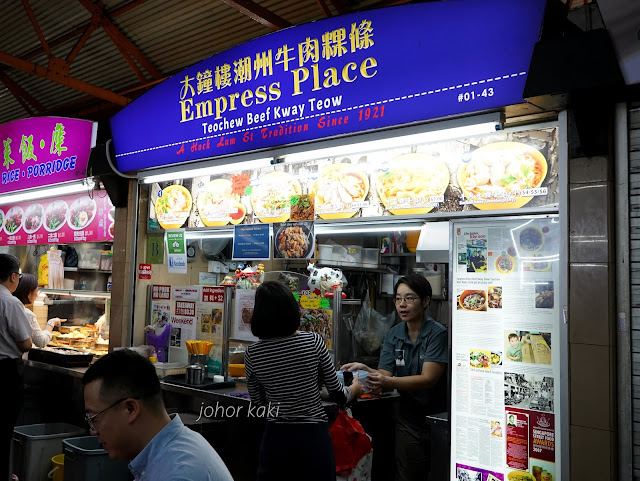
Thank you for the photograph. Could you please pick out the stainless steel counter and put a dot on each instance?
(76, 372)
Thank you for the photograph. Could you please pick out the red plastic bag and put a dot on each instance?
(350, 441)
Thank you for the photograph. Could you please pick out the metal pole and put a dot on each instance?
(623, 296)
(337, 326)
(227, 314)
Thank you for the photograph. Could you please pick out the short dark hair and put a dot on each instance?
(276, 312)
(28, 283)
(125, 373)
(418, 284)
(8, 265)
(512, 335)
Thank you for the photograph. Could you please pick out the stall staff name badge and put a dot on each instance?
(342, 75)
(176, 250)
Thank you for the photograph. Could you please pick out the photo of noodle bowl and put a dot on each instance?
(338, 189)
(500, 171)
(173, 206)
(414, 184)
(473, 301)
(292, 242)
(218, 205)
(270, 196)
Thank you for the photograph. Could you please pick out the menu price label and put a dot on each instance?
(144, 271)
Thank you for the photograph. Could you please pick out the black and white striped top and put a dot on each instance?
(287, 372)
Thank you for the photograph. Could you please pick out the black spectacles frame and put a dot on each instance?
(89, 419)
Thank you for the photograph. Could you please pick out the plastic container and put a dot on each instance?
(84, 460)
(57, 473)
(338, 253)
(370, 256)
(33, 446)
(325, 252)
(169, 368)
(355, 253)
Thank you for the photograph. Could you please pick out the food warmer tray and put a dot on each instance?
(178, 380)
(71, 358)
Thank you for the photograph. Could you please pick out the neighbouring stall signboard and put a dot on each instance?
(67, 219)
(44, 151)
(506, 348)
(501, 171)
(346, 74)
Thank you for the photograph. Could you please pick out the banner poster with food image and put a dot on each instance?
(294, 240)
(499, 171)
(506, 344)
(243, 311)
(209, 314)
(66, 219)
(183, 323)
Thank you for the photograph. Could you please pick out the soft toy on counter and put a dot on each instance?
(324, 280)
(249, 277)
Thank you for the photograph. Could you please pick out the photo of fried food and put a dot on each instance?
(413, 184)
(302, 207)
(338, 190)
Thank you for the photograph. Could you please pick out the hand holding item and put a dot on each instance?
(355, 366)
(54, 321)
(376, 381)
(100, 323)
(357, 389)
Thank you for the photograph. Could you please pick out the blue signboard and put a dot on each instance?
(345, 74)
(251, 242)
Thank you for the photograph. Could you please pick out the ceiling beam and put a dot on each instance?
(116, 35)
(340, 6)
(325, 9)
(40, 71)
(19, 92)
(36, 27)
(259, 14)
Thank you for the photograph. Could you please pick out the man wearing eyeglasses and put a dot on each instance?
(15, 338)
(124, 408)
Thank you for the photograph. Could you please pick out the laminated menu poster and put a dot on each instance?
(243, 311)
(194, 312)
(498, 171)
(505, 350)
(66, 219)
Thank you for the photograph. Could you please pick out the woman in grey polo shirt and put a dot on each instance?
(413, 359)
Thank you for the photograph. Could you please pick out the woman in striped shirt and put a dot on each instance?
(284, 372)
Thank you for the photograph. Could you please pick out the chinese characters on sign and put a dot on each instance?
(44, 151)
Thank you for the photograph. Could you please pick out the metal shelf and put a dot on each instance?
(77, 293)
(84, 269)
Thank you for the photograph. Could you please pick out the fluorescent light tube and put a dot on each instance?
(395, 142)
(211, 170)
(212, 234)
(41, 193)
(323, 229)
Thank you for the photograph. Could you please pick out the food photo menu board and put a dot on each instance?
(505, 394)
(67, 219)
(505, 170)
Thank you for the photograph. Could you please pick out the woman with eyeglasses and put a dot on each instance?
(27, 292)
(413, 360)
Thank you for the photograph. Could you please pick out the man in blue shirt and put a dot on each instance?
(124, 408)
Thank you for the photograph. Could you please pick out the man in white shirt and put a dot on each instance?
(15, 338)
